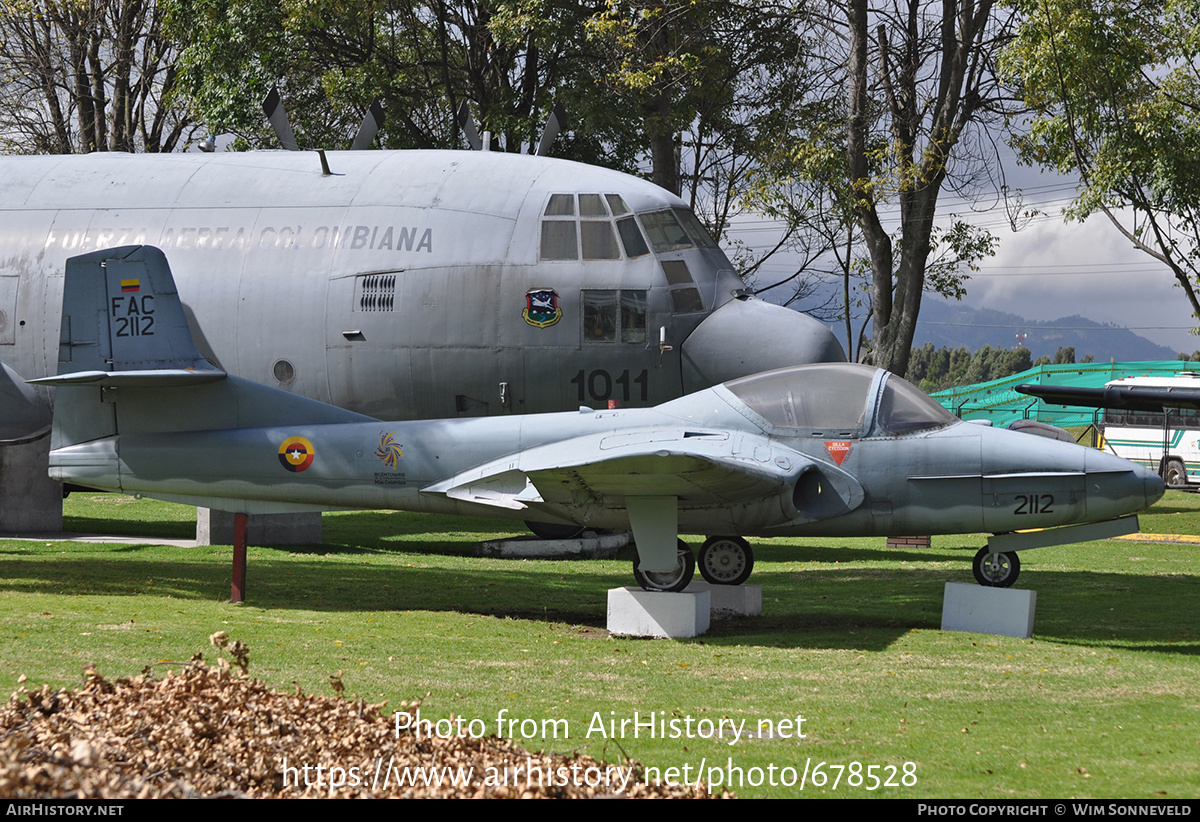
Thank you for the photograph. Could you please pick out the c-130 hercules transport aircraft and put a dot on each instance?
(823, 450)
(402, 285)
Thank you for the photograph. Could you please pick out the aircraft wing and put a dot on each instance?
(1131, 398)
(707, 469)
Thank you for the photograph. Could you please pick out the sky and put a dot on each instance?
(1050, 268)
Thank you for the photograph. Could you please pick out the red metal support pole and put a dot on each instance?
(238, 591)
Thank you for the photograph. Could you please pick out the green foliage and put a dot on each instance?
(937, 369)
(1115, 90)
(331, 58)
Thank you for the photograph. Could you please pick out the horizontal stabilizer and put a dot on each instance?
(165, 378)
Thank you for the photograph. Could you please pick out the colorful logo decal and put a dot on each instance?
(838, 449)
(389, 450)
(541, 307)
(128, 286)
(296, 454)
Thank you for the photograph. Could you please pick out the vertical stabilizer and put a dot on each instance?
(121, 313)
(127, 363)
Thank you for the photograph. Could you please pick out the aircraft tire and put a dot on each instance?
(726, 560)
(996, 570)
(554, 530)
(671, 581)
(1175, 474)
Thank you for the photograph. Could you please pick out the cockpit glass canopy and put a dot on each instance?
(827, 397)
(835, 398)
(905, 408)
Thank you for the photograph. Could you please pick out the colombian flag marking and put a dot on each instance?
(130, 285)
(296, 454)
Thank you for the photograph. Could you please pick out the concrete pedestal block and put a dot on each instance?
(29, 499)
(216, 528)
(730, 600)
(978, 609)
(634, 612)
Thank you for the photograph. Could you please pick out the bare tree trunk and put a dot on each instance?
(924, 121)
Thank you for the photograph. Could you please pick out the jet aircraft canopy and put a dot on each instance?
(840, 399)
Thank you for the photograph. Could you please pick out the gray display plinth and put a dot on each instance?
(29, 499)
(730, 600)
(216, 528)
(634, 612)
(978, 609)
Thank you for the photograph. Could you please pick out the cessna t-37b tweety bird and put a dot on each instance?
(403, 285)
(832, 449)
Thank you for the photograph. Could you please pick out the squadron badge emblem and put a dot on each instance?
(541, 307)
(838, 449)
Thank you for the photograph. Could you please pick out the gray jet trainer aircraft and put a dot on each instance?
(404, 285)
(832, 449)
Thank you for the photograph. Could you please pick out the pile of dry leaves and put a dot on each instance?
(214, 731)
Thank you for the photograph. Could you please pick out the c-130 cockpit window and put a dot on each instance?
(587, 233)
(676, 229)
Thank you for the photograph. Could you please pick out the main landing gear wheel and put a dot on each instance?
(554, 530)
(726, 560)
(996, 570)
(675, 580)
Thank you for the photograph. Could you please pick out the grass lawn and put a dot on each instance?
(1103, 701)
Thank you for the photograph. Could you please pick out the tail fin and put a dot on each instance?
(122, 323)
(127, 362)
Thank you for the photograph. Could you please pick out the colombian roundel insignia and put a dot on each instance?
(296, 454)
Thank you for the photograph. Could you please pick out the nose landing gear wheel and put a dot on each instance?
(996, 570)
(675, 580)
(726, 560)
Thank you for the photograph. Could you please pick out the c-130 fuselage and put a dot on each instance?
(407, 284)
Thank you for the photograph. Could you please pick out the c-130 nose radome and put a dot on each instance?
(746, 336)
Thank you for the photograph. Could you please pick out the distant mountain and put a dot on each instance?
(957, 326)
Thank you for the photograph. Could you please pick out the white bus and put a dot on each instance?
(1167, 441)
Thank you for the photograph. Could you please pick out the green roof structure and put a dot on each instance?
(999, 402)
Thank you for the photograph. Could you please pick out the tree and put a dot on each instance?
(724, 73)
(893, 148)
(935, 370)
(919, 77)
(1115, 91)
(512, 61)
(87, 75)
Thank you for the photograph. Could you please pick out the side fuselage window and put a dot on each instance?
(612, 315)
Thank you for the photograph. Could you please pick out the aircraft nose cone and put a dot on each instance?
(745, 337)
(1117, 486)
(1154, 485)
